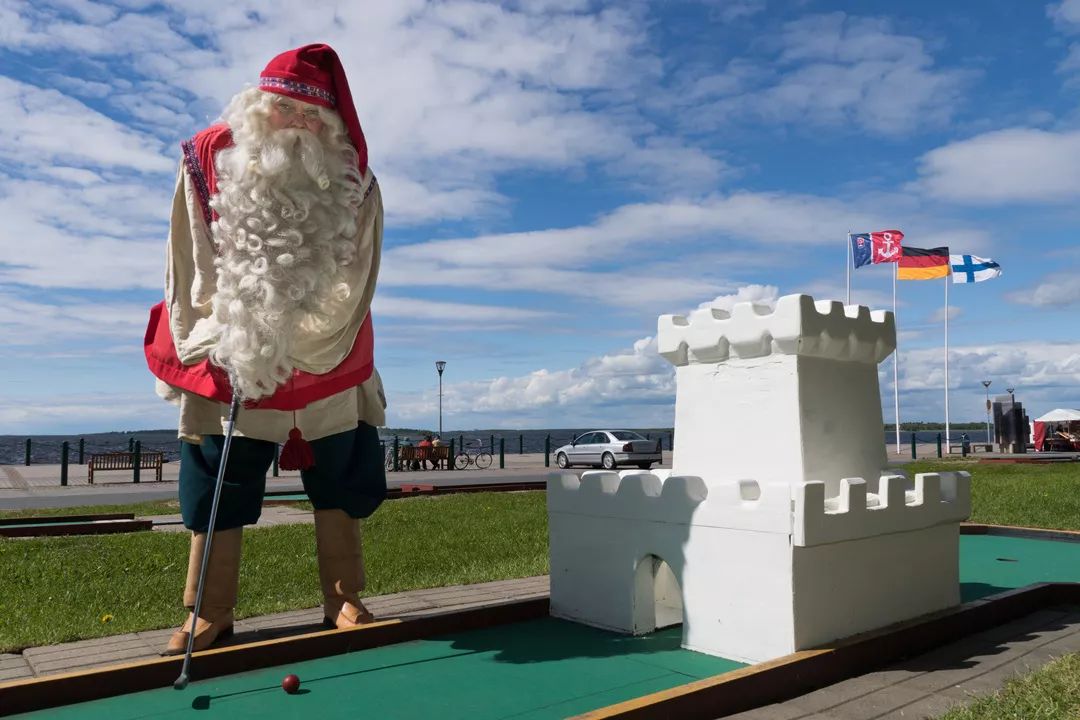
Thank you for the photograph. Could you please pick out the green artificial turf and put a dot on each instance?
(60, 589)
(533, 670)
(1050, 693)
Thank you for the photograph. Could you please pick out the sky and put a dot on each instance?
(556, 175)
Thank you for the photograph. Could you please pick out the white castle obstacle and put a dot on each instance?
(775, 530)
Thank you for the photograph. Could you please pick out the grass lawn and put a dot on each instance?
(60, 589)
(1051, 693)
(1037, 496)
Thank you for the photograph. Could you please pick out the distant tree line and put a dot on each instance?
(919, 426)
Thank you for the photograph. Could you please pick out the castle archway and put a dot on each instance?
(657, 596)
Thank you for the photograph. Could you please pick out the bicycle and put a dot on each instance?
(479, 457)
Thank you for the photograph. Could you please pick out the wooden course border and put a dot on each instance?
(65, 518)
(725, 694)
(104, 524)
(51, 691)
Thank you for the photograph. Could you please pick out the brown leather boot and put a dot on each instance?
(341, 569)
(219, 596)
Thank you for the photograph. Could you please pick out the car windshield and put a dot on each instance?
(626, 435)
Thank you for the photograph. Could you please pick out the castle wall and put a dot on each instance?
(858, 585)
(840, 422)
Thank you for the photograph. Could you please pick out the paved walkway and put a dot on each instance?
(35, 477)
(928, 685)
(34, 486)
(271, 515)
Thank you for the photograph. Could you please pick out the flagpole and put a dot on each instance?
(896, 361)
(847, 264)
(948, 442)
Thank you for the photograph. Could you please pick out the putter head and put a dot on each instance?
(181, 682)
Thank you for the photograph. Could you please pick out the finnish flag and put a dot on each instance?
(972, 268)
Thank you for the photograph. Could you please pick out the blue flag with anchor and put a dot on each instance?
(972, 268)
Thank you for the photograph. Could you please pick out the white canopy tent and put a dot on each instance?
(1060, 415)
(1066, 434)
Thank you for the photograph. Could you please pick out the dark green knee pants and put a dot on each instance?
(348, 475)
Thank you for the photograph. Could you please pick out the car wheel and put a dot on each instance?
(562, 461)
(608, 461)
(644, 466)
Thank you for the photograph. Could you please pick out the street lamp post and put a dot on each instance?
(440, 365)
(986, 384)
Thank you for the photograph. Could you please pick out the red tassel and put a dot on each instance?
(297, 454)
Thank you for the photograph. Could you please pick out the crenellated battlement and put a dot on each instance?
(677, 499)
(798, 326)
(801, 510)
(937, 499)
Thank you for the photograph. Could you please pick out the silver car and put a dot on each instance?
(609, 449)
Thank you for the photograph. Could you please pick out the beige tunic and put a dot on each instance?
(190, 283)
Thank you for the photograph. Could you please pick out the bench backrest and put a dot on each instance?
(435, 452)
(126, 460)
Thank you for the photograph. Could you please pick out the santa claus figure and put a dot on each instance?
(273, 254)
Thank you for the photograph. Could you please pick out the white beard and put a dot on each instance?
(287, 203)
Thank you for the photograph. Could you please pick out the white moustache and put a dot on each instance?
(289, 149)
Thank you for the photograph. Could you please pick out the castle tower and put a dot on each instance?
(774, 531)
(789, 395)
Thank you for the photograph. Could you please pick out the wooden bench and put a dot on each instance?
(972, 447)
(148, 460)
(410, 453)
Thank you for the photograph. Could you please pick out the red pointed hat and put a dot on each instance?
(313, 74)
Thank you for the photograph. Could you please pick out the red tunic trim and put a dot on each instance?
(199, 153)
(210, 381)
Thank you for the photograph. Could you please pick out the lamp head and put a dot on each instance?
(986, 383)
(1009, 390)
(440, 365)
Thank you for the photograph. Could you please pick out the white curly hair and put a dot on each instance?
(287, 204)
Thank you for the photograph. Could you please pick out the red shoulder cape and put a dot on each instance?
(206, 379)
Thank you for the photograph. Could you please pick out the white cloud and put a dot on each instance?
(89, 412)
(68, 321)
(44, 125)
(1058, 290)
(840, 70)
(1030, 365)
(732, 10)
(759, 294)
(108, 234)
(1065, 13)
(628, 383)
(799, 220)
(1066, 16)
(938, 316)
(1014, 165)
(466, 313)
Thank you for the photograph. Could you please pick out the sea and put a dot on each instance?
(47, 449)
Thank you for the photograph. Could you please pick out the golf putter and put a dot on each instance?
(234, 410)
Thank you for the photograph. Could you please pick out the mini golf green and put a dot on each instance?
(526, 670)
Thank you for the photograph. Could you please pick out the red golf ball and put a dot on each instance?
(290, 684)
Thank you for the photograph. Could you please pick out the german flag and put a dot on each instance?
(923, 264)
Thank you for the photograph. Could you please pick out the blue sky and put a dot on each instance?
(557, 174)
